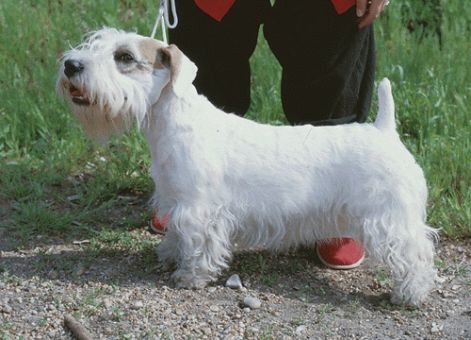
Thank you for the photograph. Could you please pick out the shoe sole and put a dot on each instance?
(339, 266)
(154, 230)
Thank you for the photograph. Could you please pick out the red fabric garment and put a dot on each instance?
(217, 9)
(341, 6)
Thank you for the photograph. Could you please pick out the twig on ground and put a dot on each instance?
(79, 332)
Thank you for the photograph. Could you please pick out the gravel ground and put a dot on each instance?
(123, 294)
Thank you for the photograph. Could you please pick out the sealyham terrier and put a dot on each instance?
(226, 182)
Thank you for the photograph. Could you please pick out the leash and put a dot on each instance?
(163, 18)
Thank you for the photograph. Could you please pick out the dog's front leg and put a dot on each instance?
(167, 251)
(200, 250)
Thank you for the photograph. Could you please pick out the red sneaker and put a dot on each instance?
(340, 253)
(158, 225)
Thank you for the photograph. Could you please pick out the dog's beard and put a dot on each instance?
(104, 109)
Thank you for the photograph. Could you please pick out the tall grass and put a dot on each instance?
(42, 147)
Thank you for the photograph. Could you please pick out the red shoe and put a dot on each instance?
(340, 253)
(158, 225)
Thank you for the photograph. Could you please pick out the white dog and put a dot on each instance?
(225, 181)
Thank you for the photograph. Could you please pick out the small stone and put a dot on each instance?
(107, 303)
(234, 282)
(53, 275)
(436, 328)
(73, 198)
(7, 309)
(253, 330)
(138, 305)
(214, 308)
(445, 294)
(300, 330)
(80, 270)
(211, 289)
(252, 302)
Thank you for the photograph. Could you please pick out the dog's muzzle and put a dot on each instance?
(72, 68)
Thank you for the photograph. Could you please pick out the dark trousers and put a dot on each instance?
(328, 64)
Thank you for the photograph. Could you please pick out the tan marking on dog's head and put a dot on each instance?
(182, 70)
(149, 50)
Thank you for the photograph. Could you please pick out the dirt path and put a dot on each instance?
(118, 294)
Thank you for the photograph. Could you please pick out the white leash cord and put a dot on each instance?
(163, 18)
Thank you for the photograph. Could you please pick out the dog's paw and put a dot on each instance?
(186, 280)
(409, 301)
(166, 266)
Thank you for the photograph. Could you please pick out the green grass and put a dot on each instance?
(55, 183)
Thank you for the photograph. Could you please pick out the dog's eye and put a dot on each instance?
(124, 57)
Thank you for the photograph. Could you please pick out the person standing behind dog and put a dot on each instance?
(325, 48)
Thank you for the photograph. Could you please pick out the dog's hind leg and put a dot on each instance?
(409, 253)
(412, 264)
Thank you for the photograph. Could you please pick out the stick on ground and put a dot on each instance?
(79, 332)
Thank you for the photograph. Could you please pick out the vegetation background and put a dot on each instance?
(55, 183)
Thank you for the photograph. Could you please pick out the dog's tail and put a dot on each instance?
(385, 119)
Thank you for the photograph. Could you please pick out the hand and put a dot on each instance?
(369, 10)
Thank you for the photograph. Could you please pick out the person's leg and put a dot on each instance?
(328, 64)
(328, 76)
(221, 50)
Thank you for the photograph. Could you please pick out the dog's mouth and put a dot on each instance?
(78, 97)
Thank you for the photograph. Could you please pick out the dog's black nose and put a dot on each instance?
(72, 67)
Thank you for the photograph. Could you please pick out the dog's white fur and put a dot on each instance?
(226, 181)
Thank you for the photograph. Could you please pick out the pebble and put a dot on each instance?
(436, 328)
(252, 302)
(79, 271)
(138, 305)
(300, 330)
(234, 282)
(7, 309)
(53, 275)
(107, 303)
(214, 308)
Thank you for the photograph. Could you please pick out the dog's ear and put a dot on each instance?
(182, 70)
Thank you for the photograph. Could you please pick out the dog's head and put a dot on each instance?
(114, 77)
